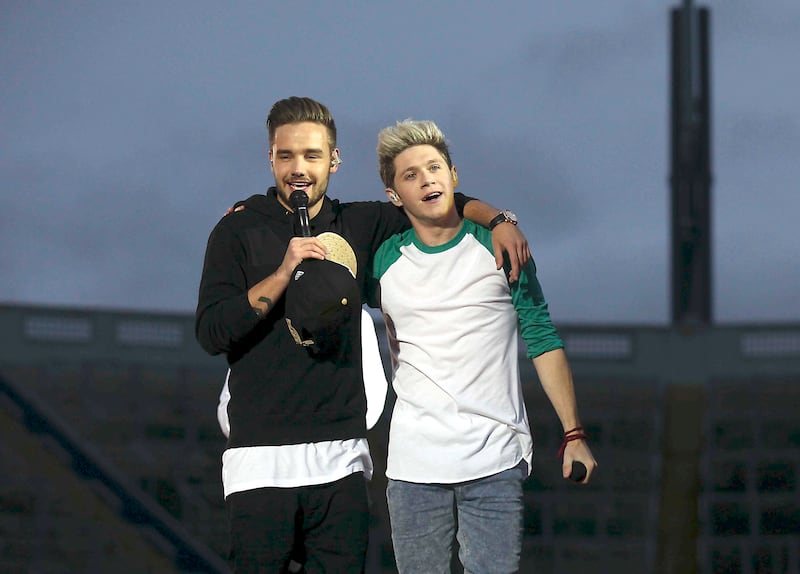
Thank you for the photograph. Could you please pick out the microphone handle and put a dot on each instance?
(301, 212)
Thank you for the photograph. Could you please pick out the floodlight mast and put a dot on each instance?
(690, 177)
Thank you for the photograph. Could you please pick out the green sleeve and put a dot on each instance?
(535, 325)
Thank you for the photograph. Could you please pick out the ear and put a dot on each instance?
(336, 159)
(393, 197)
(271, 164)
(455, 176)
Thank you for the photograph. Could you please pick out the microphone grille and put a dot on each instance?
(298, 198)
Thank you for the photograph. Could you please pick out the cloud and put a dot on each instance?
(127, 130)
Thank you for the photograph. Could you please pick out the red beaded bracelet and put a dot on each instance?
(569, 436)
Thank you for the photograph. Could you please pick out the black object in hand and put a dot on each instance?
(299, 202)
(578, 471)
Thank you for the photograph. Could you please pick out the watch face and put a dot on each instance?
(511, 216)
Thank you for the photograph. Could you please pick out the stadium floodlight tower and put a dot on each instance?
(690, 178)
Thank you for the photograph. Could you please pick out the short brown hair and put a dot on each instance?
(294, 110)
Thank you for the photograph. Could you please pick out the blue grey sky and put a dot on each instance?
(127, 129)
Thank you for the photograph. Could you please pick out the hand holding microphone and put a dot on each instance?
(578, 472)
(298, 251)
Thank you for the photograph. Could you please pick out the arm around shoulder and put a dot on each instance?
(507, 239)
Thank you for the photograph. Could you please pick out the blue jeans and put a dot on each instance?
(484, 515)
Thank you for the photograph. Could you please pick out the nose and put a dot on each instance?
(298, 166)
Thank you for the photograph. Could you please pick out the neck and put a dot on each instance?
(438, 232)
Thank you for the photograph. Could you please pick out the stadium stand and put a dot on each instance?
(135, 435)
(613, 520)
(66, 509)
(750, 505)
(111, 451)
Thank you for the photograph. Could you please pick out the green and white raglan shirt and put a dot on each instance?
(452, 323)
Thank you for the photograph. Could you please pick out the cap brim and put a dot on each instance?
(339, 251)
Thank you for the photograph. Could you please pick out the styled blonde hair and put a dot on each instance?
(394, 140)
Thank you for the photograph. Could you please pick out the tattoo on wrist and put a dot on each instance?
(259, 313)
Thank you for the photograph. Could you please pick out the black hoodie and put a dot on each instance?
(280, 392)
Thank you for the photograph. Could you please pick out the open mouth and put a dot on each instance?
(299, 185)
(432, 196)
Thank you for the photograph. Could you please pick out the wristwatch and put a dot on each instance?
(504, 216)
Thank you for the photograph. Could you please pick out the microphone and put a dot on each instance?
(578, 471)
(299, 202)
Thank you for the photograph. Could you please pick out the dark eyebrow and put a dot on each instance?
(305, 151)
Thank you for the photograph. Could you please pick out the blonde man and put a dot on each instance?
(459, 436)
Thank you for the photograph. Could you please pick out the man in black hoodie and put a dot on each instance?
(297, 456)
